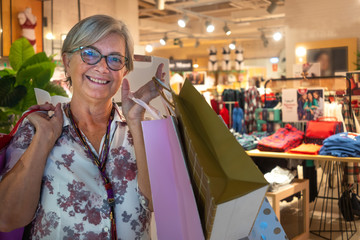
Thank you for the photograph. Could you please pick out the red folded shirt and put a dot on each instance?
(282, 140)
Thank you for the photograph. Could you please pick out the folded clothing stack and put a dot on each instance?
(249, 142)
(346, 144)
(282, 140)
(279, 177)
(306, 148)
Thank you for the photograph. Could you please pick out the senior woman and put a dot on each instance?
(82, 173)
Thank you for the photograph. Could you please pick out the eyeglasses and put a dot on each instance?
(92, 56)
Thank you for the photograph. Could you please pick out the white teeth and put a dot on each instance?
(97, 80)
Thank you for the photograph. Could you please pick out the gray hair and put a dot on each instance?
(92, 29)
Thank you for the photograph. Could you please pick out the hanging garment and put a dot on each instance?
(224, 113)
(351, 169)
(252, 102)
(238, 120)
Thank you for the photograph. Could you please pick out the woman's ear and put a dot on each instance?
(66, 61)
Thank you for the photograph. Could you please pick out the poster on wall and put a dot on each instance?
(331, 60)
(302, 104)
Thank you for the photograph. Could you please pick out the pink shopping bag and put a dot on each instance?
(175, 209)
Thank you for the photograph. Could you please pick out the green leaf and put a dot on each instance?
(40, 73)
(12, 98)
(20, 50)
(55, 89)
(6, 84)
(29, 100)
(6, 72)
(35, 59)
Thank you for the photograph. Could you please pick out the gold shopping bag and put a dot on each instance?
(228, 186)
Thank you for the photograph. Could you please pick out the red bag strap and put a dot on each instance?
(13, 131)
(326, 119)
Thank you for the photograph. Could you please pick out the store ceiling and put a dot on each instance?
(247, 19)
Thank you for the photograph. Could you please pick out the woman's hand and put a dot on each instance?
(149, 91)
(52, 126)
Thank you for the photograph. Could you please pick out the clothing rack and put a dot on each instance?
(314, 80)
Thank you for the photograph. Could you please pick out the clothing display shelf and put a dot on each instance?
(329, 224)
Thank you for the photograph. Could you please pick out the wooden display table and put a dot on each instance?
(325, 226)
(298, 185)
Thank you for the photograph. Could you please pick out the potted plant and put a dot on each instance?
(28, 71)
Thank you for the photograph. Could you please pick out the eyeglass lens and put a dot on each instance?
(92, 56)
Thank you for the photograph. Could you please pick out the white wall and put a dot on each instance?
(314, 20)
(65, 15)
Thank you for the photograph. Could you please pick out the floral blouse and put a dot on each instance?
(73, 202)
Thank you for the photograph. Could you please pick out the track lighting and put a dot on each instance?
(180, 43)
(164, 40)
(232, 45)
(183, 21)
(227, 29)
(271, 8)
(209, 27)
(264, 39)
(197, 43)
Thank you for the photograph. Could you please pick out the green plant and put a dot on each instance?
(28, 71)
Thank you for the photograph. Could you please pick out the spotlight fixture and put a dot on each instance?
(232, 45)
(149, 48)
(183, 21)
(264, 39)
(227, 29)
(277, 36)
(180, 43)
(271, 8)
(164, 40)
(197, 43)
(209, 27)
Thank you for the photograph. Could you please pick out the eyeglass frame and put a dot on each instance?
(101, 57)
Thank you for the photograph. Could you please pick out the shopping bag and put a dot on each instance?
(228, 186)
(175, 210)
(4, 142)
(318, 130)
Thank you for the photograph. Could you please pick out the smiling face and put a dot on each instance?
(96, 82)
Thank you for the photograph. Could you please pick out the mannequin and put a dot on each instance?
(239, 58)
(28, 23)
(226, 64)
(212, 63)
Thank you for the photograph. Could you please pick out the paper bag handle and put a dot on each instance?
(153, 111)
(167, 102)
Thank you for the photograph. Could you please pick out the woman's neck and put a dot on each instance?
(90, 114)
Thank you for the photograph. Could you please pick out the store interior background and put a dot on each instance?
(322, 23)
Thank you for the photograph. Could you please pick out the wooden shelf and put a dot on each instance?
(258, 153)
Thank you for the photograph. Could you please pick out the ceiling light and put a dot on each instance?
(164, 40)
(149, 48)
(300, 51)
(232, 45)
(209, 27)
(277, 36)
(274, 60)
(227, 30)
(195, 65)
(183, 21)
(270, 9)
(197, 43)
(49, 36)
